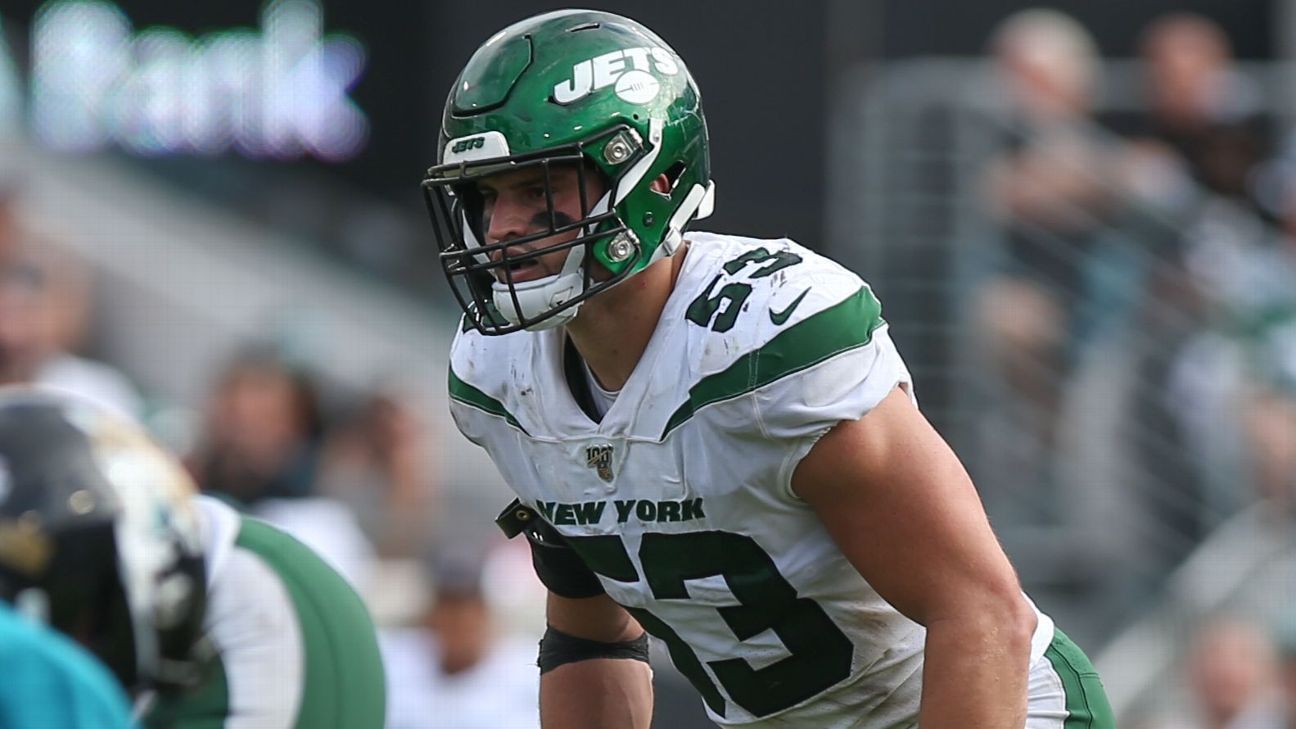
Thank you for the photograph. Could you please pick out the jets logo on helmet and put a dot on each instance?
(628, 70)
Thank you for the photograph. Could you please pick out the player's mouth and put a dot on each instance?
(521, 271)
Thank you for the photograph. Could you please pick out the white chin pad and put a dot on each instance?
(535, 298)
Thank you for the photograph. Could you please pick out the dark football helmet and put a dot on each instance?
(99, 536)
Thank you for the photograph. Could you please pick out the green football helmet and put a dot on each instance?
(592, 91)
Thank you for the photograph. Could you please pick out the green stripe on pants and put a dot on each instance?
(1086, 700)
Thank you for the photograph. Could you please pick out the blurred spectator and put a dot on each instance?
(1054, 191)
(377, 461)
(1200, 106)
(1269, 426)
(67, 277)
(21, 330)
(1048, 64)
(1268, 298)
(1079, 322)
(260, 450)
(44, 303)
(263, 431)
(1235, 379)
(29, 346)
(455, 670)
(1216, 365)
(1232, 673)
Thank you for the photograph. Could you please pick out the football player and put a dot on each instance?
(208, 618)
(712, 437)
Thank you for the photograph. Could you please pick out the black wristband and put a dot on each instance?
(557, 648)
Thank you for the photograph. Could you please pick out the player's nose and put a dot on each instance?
(508, 219)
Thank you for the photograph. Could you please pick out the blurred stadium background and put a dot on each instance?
(1081, 221)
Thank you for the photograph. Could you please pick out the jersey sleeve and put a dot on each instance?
(848, 365)
(479, 384)
(844, 387)
(466, 398)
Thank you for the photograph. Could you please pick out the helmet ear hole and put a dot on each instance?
(664, 185)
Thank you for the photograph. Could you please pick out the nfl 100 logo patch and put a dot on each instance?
(599, 458)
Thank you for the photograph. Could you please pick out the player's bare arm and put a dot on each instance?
(596, 692)
(903, 510)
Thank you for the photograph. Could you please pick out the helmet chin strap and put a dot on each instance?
(697, 204)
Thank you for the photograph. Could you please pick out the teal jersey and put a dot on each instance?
(50, 683)
(295, 646)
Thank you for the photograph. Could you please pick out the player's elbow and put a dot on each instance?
(1017, 622)
(1013, 621)
(1002, 618)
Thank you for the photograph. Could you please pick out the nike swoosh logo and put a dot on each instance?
(779, 317)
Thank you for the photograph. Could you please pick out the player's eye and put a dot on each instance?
(487, 208)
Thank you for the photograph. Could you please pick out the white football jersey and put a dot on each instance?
(680, 499)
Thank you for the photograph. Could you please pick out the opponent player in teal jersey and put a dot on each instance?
(50, 682)
(208, 618)
(712, 437)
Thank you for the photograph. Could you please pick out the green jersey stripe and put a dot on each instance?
(474, 398)
(344, 682)
(819, 337)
